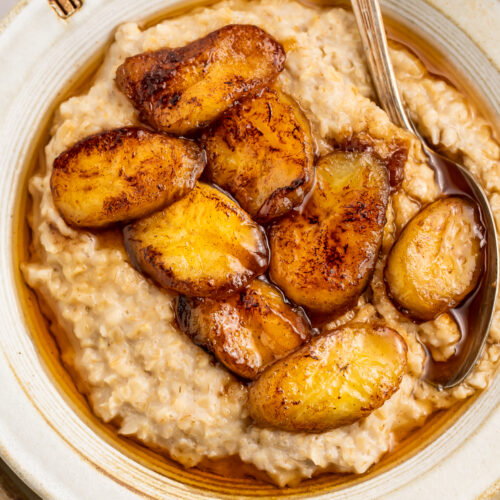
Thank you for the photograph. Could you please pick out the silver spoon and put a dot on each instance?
(474, 316)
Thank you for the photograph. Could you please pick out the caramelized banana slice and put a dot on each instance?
(204, 245)
(334, 380)
(123, 174)
(182, 89)
(248, 330)
(437, 259)
(323, 258)
(261, 152)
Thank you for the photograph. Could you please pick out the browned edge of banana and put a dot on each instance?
(149, 241)
(95, 194)
(323, 257)
(268, 133)
(291, 394)
(393, 154)
(246, 331)
(419, 318)
(156, 81)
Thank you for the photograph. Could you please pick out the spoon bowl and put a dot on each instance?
(475, 314)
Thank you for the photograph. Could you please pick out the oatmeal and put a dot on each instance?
(144, 374)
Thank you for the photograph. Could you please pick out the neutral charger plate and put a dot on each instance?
(48, 436)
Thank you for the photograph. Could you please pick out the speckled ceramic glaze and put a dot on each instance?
(47, 433)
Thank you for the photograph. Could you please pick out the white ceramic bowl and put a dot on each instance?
(47, 437)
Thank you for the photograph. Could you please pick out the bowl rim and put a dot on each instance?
(16, 144)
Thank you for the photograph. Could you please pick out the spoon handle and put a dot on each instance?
(371, 28)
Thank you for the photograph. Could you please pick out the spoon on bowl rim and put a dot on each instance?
(474, 315)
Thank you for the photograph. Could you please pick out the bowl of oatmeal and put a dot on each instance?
(102, 355)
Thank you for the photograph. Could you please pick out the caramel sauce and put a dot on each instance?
(55, 349)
